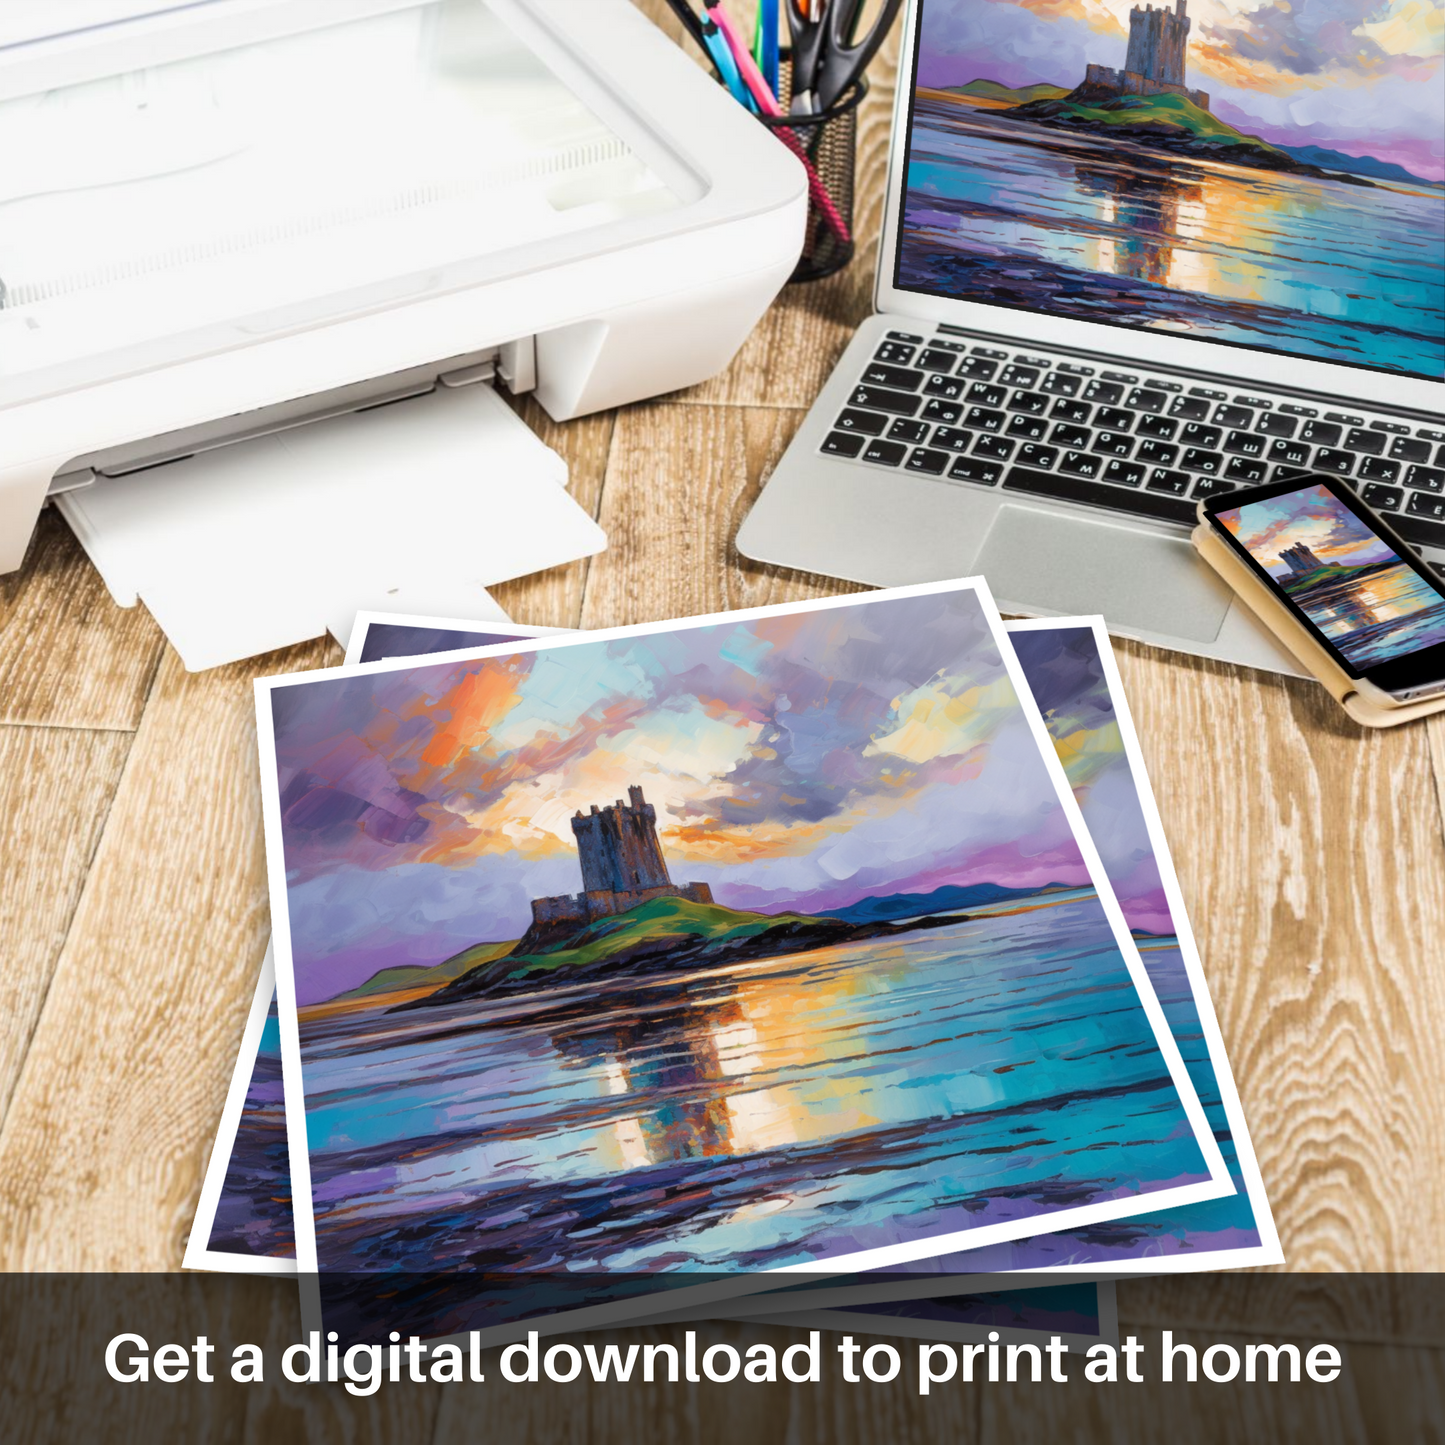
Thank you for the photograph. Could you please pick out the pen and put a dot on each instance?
(765, 42)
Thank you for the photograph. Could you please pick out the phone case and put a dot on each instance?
(1297, 638)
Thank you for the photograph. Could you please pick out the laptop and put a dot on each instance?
(1130, 258)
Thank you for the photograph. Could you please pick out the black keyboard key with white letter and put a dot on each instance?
(867, 422)
(843, 444)
(878, 398)
(886, 454)
(905, 430)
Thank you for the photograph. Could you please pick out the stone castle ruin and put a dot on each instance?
(1154, 63)
(1300, 559)
(622, 866)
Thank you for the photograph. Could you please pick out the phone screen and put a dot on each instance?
(1368, 600)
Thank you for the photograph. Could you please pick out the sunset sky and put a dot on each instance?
(799, 762)
(1362, 76)
(1311, 516)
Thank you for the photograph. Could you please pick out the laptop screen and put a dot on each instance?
(1254, 172)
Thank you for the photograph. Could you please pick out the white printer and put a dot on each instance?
(224, 224)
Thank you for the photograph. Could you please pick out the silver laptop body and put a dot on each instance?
(941, 444)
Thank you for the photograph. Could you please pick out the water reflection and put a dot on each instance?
(1143, 211)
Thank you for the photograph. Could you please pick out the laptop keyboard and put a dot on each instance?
(1142, 443)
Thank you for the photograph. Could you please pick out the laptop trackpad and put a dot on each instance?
(1039, 559)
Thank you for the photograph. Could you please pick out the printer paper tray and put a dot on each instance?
(417, 506)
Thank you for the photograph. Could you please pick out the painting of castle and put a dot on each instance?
(622, 866)
(1300, 559)
(1154, 63)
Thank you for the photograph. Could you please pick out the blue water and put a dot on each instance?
(1016, 214)
(1378, 617)
(781, 1113)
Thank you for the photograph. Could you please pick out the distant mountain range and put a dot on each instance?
(941, 900)
(1356, 165)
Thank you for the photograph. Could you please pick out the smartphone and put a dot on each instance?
(1343, 572)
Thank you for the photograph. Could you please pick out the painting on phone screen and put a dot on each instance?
(1353, 586)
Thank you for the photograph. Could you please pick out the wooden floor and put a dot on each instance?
(133, 906)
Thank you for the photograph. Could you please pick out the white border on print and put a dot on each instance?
(683, 1296)
(364, 622)
(199, 1254)
(957, 1332)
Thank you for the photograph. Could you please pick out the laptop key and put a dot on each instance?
(1159, 427)
(1199, 460)
(878, 398)
(955, 439)
(1195, 435)
(971, 469)
(1235, 416)
(1189, 408)
(1081, 464)
(1035, 403)
(1427, 479)
(867, 422)
(877, 374)
(1059, 383)
(976, 368)
(1245, 444)
(1154, 453)
(948, 387)
(1076, 411)
(886, 454)
(985, 395)
(1418, 530)
(1113, 418)
(1407, 449)
(1071, 436)
(1246, 469)
(1371, 443)
(1107, 392)
(1378, 469)
(1423, 505)
(1440, 457)
(907, 430)
(1322, 433)
(1124, 474)
(1030, 427)
(1112, 444)
(843, 444)
(1144, 399)
(982, 419)
(1332, 459)
(1015, 375)
(1099, 494)
(1161, 479)
(1272, 424)
(1289, 453)
(995, 447)
(924, 459)
(895, 353)
(1211, 487)
(935, 409)
(1382, 498)
(935, 360)
(905, 336)
(1031, 455)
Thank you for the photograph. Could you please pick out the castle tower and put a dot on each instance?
(619, 847)
(1157, 40)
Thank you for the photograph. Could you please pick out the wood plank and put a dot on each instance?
(69, 657)
(56, 786)
(1313, 864)
(679, 482)
(554, 598)
(112, 1117)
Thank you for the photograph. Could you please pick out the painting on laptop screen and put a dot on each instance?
(1244, 171)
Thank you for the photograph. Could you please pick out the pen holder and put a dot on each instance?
(826, 142)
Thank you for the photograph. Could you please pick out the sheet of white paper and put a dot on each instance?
(418, 506)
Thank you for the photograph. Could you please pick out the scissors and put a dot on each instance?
(828, 56)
